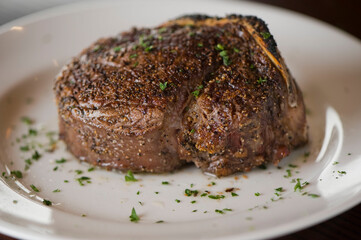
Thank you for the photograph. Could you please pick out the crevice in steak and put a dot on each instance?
(209, 90)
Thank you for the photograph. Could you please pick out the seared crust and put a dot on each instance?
(214, 91)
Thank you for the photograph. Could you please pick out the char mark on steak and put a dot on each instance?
(208, 90)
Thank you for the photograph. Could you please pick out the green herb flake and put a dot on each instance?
(28, 161)
(342, 172)
(261, 80)
(257, 194)
(298, 185)
(280, 189)
(47, 202)
(200, 44)
(265, 35)
(292, 165)
(130, 177)
(203, 194)
(35, 189)
(335, 163)
(156, 192)
(219, 47)
(149, 48)
(66, 181)
(313, 195)
(15, 201)
(55, 168)
(78, 172)
(236, 50)
(189, 192)
(83, 215)
(24, 148)
(136, 64)
(91, 169)
(216, 196)
(83, 179)
(133, 55)
(252, 66)
(227, 209)
(133, 216)
(165, 183)
(195, 210)
(195, 93)
(138, 192)
(177, 201)
(234, 194)
(219, 211)
(33, 132)
(192, 131)
(36, 156)
(60, 161)
(162, 30)
(226, 60)
(27, 120)
(17, 173)
(306, 154)
(213, 183)
(56, 190)
(289, 174)
(96, 48)
(160, 221)
(193, 202)
(163, 86)
(117, 49)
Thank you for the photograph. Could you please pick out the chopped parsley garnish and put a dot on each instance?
(133, 55)
(306, 154)
(257, 194)
(341, 172)
(219, 47)
(28, 161)
(17, 174)
(191, 34)
(135, 64)
(78, 172)
(47, 202)
(82, 179)
(156, 192)
(96, 48)
(177, 200)
(160, 221)
(195, 210)
(280, 189)
(56, 190)
(219, 211)
(289, 174)
(24, 148)
(213, 183)
(190, 192)
(192, 131)
(130, 177)
(335, 163)
(163, 86)
(193, 202)
(236, 50)
(261, 80)
(298, 185)
(292, 165)
(192, 185)
(26, 120)
(252, 66)
(36, 155)
(203, 194)
(60, 161)
(200, 44)
(138, 192)
(225, 57)
(117, 49)
(234, 194)
(216, 196)
(15, 201)
(197, 91)
(55, 168)
(33, 132)
(91, 169)
(35, 189)
(66, 181)
(265, 35)
(162, 30)
(227, 209)
(133, 216)
(165, 183)
(313, 195)
(149, 48)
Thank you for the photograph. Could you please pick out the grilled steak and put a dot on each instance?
(213, 91)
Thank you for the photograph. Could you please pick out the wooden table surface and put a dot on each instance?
(346, 15)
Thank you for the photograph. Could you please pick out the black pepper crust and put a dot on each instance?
(209, 90)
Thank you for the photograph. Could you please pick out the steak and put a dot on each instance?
(212, 91)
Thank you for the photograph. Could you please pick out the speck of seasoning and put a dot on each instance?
(78, 172)
(313, 195)
(24, 148)
(162, 30)
(66, 181)
(289, 174)
(280, 189)
(156, 192)
(265, 35)
(225, 57)
(298, 185)
(138, 192)
(83, 215)
(47, 202)
(227, 209)
(160, 221)
(203, 194)
(189, 192)
(133, 216)
(252, 66)
(140, 203)
(15, 201)
(257, 194)
(35, 189)
(341, 172)
(178, 201)
(234, 194)
(163, 86)
(292, 165)
(306, 154)
(91, 169)
(191, 34)
(219, 211)
(193, 202)
(335, 163)
(55, 168)
(56, 190)
(33, 132)
(348, 154)
(213, 183)
(195, 210)
(165, 183)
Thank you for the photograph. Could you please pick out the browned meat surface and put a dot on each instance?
(213, 91)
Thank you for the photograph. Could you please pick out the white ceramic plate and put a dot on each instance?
(325, 62)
